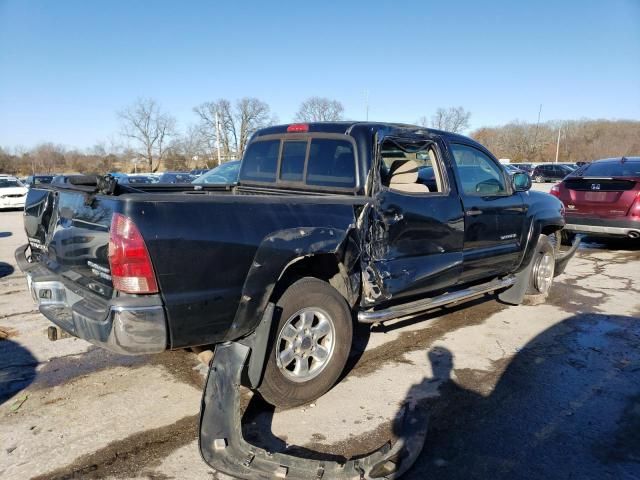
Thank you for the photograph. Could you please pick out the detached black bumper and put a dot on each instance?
(128, 325)
(224, 448)
(603, 226)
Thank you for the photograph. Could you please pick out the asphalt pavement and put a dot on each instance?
(548, 391)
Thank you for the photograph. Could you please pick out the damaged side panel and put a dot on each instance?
(284, 249)
(412, 243)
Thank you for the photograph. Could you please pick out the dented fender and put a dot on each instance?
(279, 251)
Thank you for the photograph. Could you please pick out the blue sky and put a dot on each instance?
(66, 67)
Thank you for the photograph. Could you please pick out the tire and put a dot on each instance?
(539, 179)
(542, 272)
(308, 307)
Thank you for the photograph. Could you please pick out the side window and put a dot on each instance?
(409, 167)
(331, 163)
(478, 174)
(260, 161)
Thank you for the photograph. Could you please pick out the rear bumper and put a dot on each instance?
(7, 203)
(128, 325)
(600, 226)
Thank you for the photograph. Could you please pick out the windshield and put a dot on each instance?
(140, 179)
(10, 182)
(42, 180)
(224, 174)
(177, 177)
(610, 169)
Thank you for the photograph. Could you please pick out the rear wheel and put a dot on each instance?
(311, 345)
(541, 279)
(539, 179)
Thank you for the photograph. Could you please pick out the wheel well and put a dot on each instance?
(325, 266)
(549, 229)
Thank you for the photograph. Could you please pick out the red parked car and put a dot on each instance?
(602, 198)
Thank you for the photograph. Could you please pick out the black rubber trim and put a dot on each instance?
(223, 447)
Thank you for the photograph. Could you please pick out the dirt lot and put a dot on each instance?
(550, 391)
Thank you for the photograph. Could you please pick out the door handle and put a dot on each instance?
(473, 212)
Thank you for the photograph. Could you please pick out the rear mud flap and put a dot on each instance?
(223, 447)
(515, 294)
(562, 259)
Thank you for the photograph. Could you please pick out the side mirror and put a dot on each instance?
(521, 181)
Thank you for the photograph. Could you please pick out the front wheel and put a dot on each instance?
(311, 344)
(539, 179)
(542, 273)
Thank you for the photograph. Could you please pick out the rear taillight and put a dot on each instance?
(131, 268)
(555, 190)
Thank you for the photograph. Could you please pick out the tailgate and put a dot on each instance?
(610, 197)
(68, 231)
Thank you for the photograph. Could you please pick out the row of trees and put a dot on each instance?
(579, 140)
(222, 130)
(149, 139)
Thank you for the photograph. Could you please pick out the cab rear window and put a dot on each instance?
(260, 161)
(317, 162)
(292, 167)
(331, 163)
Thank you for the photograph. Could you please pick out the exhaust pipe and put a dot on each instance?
(634, 234)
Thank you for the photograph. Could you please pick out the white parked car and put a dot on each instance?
(12, 193)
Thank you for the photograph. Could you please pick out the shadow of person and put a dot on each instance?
(17, 369)
(6, 269)
(565, 406)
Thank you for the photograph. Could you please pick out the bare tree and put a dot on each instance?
(251, 114)
(48, 158)
(319, 109)
(149, 129)
(451, 119)
(236, 124)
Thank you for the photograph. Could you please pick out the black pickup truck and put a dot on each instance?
(328, 224)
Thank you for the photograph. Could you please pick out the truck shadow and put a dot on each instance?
(567, 405)
(17, 369)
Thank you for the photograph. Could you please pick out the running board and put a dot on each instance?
(424, 304)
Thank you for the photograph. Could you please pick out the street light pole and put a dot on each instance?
(558, 142)
(218, 138)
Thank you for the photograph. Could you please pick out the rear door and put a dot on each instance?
(494, 215)
(414, 240)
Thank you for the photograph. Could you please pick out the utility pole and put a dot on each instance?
(558, 142)
(218, 138)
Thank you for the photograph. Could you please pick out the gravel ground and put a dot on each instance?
(513, 392)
